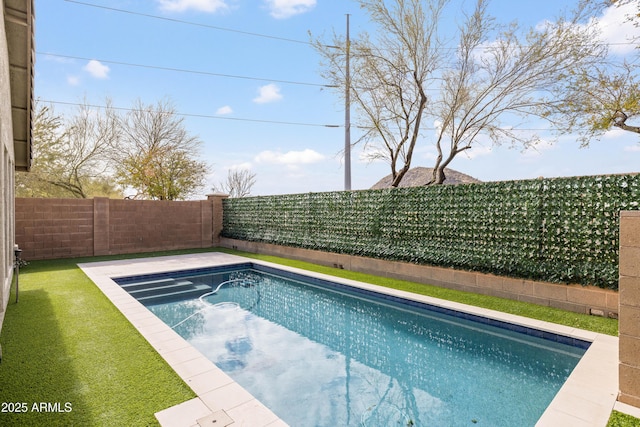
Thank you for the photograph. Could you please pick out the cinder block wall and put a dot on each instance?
(629, 312)
(148, 225)
(54, 228)
(64, 228)
(580, 299)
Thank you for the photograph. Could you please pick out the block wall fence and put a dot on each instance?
(66, 228)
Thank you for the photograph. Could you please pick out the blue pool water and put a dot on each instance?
(321, 354)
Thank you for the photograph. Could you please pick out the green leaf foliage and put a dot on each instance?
(560, 230)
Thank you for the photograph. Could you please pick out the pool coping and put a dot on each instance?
(586, 398)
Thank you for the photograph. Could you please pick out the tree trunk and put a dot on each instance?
(396, 180)
(439, 176)
(620, 121)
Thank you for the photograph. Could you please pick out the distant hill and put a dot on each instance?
(420, 176)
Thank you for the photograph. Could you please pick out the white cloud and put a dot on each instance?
(97, 69)
(478, 151)
(240, 166)
(224, 110)
(617, 30)
(291, 158)
(210, 6)
(282, 9)
(268, 93)
(73, 80)
(615, 133)
(632, 148)
(536, 151)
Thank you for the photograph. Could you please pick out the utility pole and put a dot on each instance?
(347, 118)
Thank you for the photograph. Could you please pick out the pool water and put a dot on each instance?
(321, 355)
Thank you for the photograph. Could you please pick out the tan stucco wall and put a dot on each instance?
(629, 323)
(7, 165)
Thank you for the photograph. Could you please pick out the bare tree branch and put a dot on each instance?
(70, 158)
(238, 184)
(155, 154)
(406, 77)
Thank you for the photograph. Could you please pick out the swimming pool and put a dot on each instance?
(322, 353)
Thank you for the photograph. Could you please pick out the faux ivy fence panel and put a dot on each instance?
(560, 230)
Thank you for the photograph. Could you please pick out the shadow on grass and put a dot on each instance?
(38, 382)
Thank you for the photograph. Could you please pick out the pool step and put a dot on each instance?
(149, 284)
(168, 287)
(165, 290)
(193, 292)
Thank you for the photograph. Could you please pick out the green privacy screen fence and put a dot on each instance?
(560, 230)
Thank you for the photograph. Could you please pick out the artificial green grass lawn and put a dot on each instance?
(618, 419)
(66, 347)
(65, 342)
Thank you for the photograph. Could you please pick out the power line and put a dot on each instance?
(267, 36)
(182, 70)
(205, 116)
(202, 116)
(196, 24)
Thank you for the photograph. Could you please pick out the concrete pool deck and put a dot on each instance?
(586, 399)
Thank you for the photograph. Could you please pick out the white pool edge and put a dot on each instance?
(586, 399)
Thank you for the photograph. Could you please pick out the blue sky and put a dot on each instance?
(269, 111)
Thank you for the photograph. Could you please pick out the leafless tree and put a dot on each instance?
(405, 79)
(389, 76)
(70, 158)
(238, 184)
